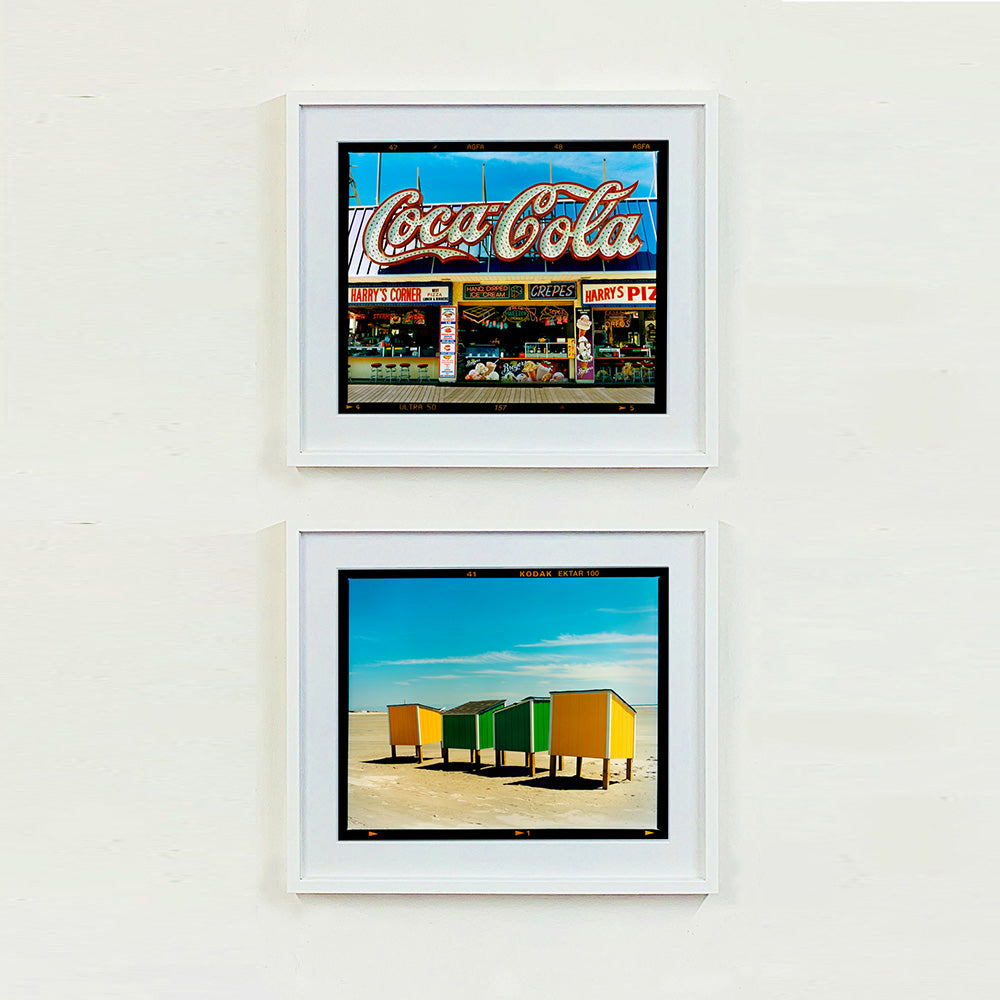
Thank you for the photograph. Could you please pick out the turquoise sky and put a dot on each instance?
(443, 642)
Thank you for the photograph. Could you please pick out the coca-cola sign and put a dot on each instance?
(402, 230)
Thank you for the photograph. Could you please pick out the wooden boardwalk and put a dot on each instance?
(379, 393)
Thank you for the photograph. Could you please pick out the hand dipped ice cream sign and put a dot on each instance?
(401, 229)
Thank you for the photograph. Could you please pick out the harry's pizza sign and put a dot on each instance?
(619, 293)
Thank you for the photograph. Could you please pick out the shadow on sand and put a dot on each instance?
(452, 765)
(496, 771)
(482, 770)
(570, 782)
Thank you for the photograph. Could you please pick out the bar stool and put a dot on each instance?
(375, 366)
(423, 375)
(390, 372)
(404, 371)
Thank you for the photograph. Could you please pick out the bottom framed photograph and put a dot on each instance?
(502, 712)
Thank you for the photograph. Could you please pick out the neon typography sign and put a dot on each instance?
(597, 231)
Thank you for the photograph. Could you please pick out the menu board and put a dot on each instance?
(448, 345)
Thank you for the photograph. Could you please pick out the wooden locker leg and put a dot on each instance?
(579, 766)
(444, 753)
(531, 762)
(628, 769)
(552, 765)
(393, 749)
(607, 771)
(420, 754)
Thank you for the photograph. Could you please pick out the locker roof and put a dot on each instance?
(475, 707)
(514, 704)
(413, 704)
(598, 691)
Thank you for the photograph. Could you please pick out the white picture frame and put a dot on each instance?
(320, 861)
(322, 433)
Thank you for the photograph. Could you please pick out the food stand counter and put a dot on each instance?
(359, 369)
(638, 369)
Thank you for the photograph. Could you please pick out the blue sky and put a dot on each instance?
(443, 642)
(457, 177)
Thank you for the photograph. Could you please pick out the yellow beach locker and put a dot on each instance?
(597, 723)
(413, 725)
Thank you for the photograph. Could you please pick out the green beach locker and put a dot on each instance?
(523, 726)
(469, 727)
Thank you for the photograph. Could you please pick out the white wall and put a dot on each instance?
(141, 713)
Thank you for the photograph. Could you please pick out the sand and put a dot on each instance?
(384, 794)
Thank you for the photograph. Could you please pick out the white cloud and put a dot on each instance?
(603, 672)
(628, 611)
(492, 657)
(593, 639)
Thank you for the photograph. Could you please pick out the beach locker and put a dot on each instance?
(598, 723)
(523, 726)
(469, 727)
(413, 725)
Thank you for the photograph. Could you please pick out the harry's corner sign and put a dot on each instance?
(360, 295)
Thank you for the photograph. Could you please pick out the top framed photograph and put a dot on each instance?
(509, 280)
